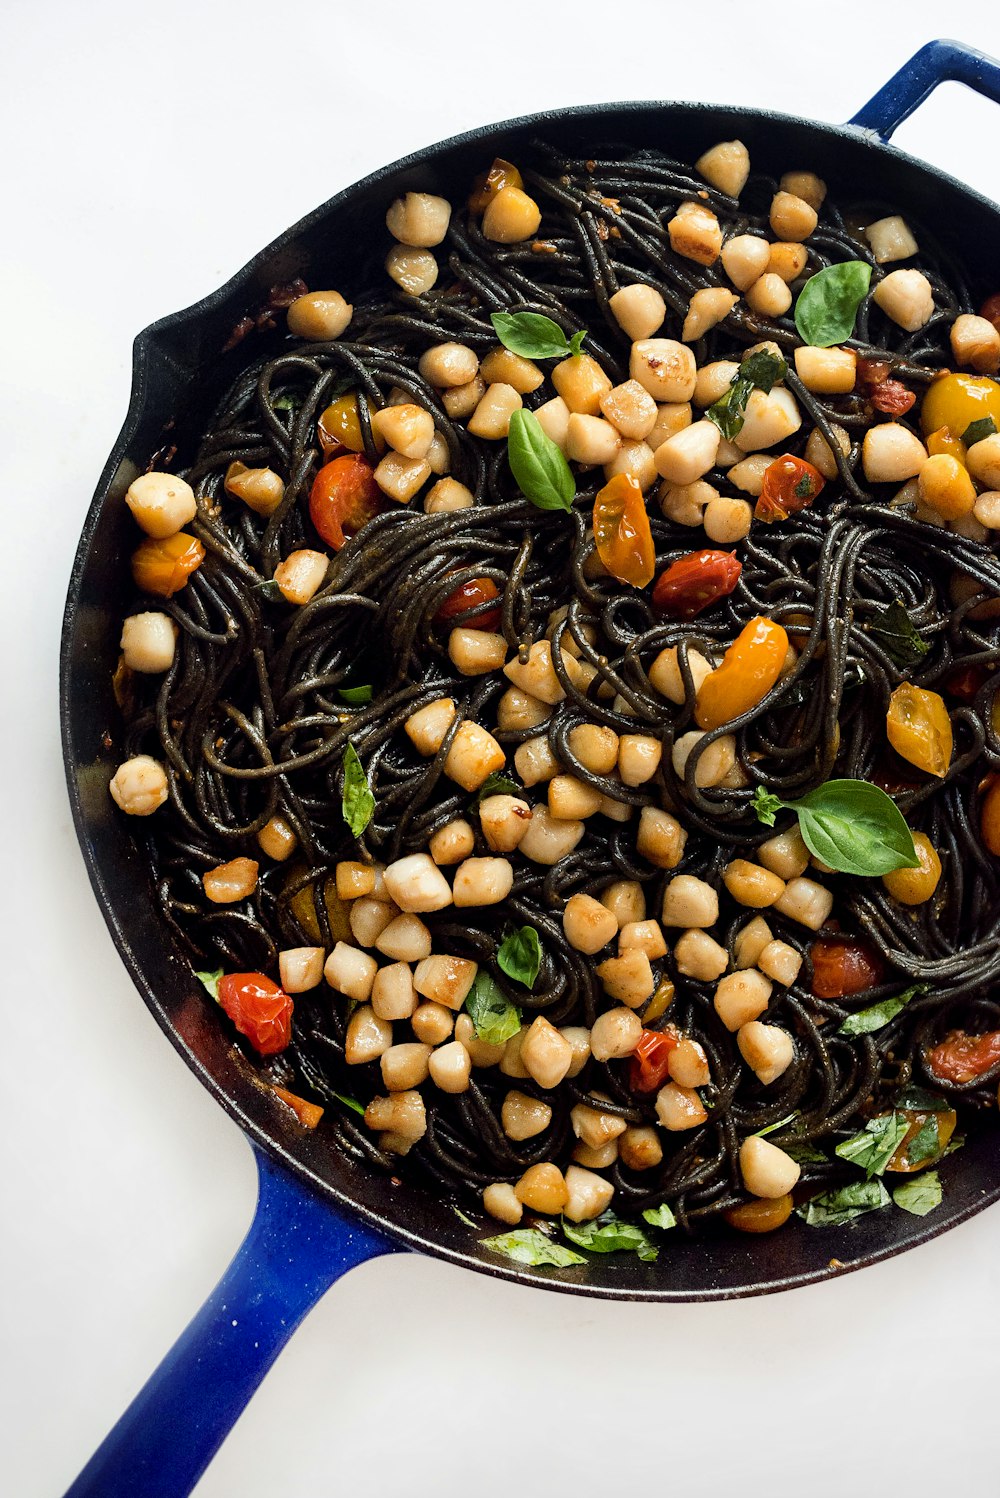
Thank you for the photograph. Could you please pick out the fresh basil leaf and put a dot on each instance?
(774, 1127)
(855, 828)
(210, 982)
(530, 1246)
(978, 431)
(865, 1021)
(926, 1142)
(357, 803)
(763, 369)
(496, 785)
(349, 1102)
(828, 303)
(897, 635)
(496, 1019)
(608, 1234)
(269, 589)
(833, 1208)
(534, 336)
(804, 1154)
(539, 468)
(576, 343)
(759, 371)
(355, 696)
(874, 1146)
(766, 806)
(919, 1100)
(660, 1217)
(920, 1195)
(520, 955)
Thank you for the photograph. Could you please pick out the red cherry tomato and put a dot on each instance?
(343, 498)
(259, 1009)
(650, 1060)
(790, 484)
(842, 967)
(963, 1058)
(693, 582)
(991, 310)
(892, 398)
(469, 595)
(965, 681)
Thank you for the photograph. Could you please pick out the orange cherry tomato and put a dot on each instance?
(470, 595)
(621, 531)
(339, 426)
(963, 1057)
(989, 818)
(259, 1009)
(944, 1122)
(991, 310)
(693, 582)
(760, 1214)
(842, 967)
(790, 484)
(486, 186)
(307, 1113)
(919, 728)
(343, 498)
(164, 566)
(955, 401)
(648, 1069)
(944, 441)
(749, 669)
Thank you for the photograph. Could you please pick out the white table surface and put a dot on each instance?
(149, 152)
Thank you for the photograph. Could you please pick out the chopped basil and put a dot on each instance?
(535, 336)
(286, 401)
(864, 1021)
(496, 1019)
(804, 1154)
(357, 802)
(269, 589)
(874, 1146)
(773, 1128)
(530, 1246)
(355, 696)
(660, 1217)
(539, 468)
(919, 1100)
(210, 982)
(520, 955)
(759, 371)
(926, 1142)
(919, 1195)
(349, 1102)
(496, 785)
(608, 1234)
(895, 632)
(463, 1218)
(834, 1208)
(849, 824)
(978, 431)
(956, 1142)
(828, 303)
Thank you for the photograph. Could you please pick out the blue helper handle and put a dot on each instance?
(297, 1245)
(935, 63)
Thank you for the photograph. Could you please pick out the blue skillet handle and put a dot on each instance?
(935, 63)
(297, 1245)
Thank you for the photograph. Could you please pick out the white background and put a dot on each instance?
(149, 152)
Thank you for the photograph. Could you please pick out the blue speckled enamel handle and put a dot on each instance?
(906, 90)
(296, 1247)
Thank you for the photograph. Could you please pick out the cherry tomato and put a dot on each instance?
(486, 186)
(749, 669)
(944, 1126)
(343, 498)
(339, 427)
(621, 531)
(259, 1009)
(648, 1069)
(919, 729)
(965, 681)
(842, 967)
(790, 484)
(469, 595)
(943, 441)
(307, 1113)
(872, 372)
(892, 398)
(955, 401)
(989, 817)
(760, 1214)
(693, 582)
(991, 310)
(164, 566)
(963, 1058)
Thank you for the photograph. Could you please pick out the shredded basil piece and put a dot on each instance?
(496, 1019)
(828, 303)
(920, 1195)
(874, 1146)
(660, 1217)
(284, 402)
(269, 589)
(774, 1127)
(357, 802)
(919, 1100)
(210, 982)
(539, 468)
(530, 1246)
(926, 1142)
(355, 696)
(496, 785)
(463, 1218)
(865, 1021)
(850, 825)
(804, 1154)
(520, 955)
(608, 1234)
(978, 431)
(535, 336)
(896, 633)
(956, 1142)
(759, 371)
(349, 1102)
(833, 1208)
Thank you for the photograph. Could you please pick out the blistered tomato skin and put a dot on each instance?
(343, 498)
(339, 427)
(649, 1067)
(842, 967)
(955, 401)
(962, 1058)
(259, 1009)
(919, 728)
(694, 582)
(485, 188)
(164, 566)
(790, 484)
(749, 669)
(469, 595)
(622, 535)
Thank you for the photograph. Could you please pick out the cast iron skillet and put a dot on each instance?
(318, 1214)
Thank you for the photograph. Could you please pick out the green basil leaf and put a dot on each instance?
(919, 1100)
(576, 343)
(355, 696)
(895, 632)
(926, 1142)
(349, 1102)
(828, 303)
(956, 1142)
(759, 371)
(210, 982)
(608, 1234)
(269, 589)
(496, 785)
(766, 806)
(774, 1127)
(534, 336)
(520, 955)
(874, 1146)
(496, 1019)
(865, 1021)
(920, 1195)
(833, 1208)
(463, 1218)
(763, 369)
(978, 431)
(660, 1217)
(539, 468)
(286, 401)
(804, 1154)
(855, 828)
(357, 803)
(530, 1246)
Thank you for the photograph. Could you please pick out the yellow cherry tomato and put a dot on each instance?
(164, 565)
(914, 886)
(942, 441)
(989, 818)
(621, 531)
(749, 669)
(761, 1216)
(339, 427)
(955, 401)
(919, 728)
